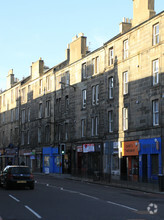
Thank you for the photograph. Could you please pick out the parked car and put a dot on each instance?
(15, 175)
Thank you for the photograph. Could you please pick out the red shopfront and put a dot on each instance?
(130, 160)
(89, 159)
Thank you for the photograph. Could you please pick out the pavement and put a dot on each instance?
(133, 185)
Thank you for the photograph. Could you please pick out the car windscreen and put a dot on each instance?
(20, 170)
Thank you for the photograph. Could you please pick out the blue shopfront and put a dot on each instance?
(52, 160)
(150, 159)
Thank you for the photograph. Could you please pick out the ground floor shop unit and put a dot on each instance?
(88, 160)
(130, 160)
(56, 159)
(52, 160)
(150, 159)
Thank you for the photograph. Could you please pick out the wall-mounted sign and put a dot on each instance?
(88, 148)
(130, 148)
(79, 149)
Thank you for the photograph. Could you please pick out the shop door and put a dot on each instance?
(123, 168)
(155, 167)
(144, 167)
(57, 164)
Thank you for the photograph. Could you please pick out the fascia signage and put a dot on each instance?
(130, 148)
(79, 149)
(88, 148)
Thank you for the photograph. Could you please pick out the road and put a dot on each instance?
(58, 198)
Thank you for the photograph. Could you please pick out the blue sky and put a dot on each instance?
(36, 28)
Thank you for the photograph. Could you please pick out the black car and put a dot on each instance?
(15, 175)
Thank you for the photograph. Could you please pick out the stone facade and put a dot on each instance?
(104, 98)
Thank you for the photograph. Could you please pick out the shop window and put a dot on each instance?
(115, 162)
(46, 161)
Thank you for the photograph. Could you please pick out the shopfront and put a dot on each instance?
(52, 160)
(150, 159)
(130, 160)
(27, 156)
(89, 159)
(79, 150)
(115, 159)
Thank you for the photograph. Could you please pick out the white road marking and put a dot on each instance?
(71, 191)
(92, 197)
(124, 206)
(17, 200)
(36, 214)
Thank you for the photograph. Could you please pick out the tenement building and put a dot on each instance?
(97, 112)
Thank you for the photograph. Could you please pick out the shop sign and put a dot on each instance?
(130, 148)
(150, 146)
(116, 145)
(88, 148)
(79, 149)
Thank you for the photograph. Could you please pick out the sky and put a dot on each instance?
(43, 28)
